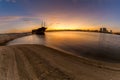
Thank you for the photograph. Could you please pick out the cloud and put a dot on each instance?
(12, 1)
(75, 1)
(6, 20)
(9, 18)
(28, 19)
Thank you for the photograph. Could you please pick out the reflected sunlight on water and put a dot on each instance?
(95, 45)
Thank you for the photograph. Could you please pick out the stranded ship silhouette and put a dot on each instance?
(40, 31)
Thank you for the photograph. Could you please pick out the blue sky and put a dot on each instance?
(24, 15)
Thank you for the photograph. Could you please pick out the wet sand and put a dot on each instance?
(4, 38)
(37, 62)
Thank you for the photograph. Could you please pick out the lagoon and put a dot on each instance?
(92, 45)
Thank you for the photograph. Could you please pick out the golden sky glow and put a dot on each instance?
(25, 15)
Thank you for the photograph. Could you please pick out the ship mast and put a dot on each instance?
(43, 24)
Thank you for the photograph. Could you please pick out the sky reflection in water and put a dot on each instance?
(94, 45)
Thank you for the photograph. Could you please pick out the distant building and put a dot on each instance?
(111, 31)
(103, 30)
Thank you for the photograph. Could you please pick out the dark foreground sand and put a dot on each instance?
(36, 62)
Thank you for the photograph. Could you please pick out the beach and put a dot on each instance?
(37, 62)
(4, 38)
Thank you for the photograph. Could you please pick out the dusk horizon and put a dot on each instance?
(25, 15)
(59, 39)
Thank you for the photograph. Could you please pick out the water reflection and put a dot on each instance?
(93, 45)
(32, 39)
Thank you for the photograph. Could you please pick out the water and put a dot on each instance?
(92, 45)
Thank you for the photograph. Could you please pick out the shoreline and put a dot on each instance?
(94, 31)
(38, 61)
(91, 61)
(5, 38)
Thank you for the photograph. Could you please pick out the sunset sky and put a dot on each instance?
(25, 15)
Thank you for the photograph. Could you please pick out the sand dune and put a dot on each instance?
(36, 62)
